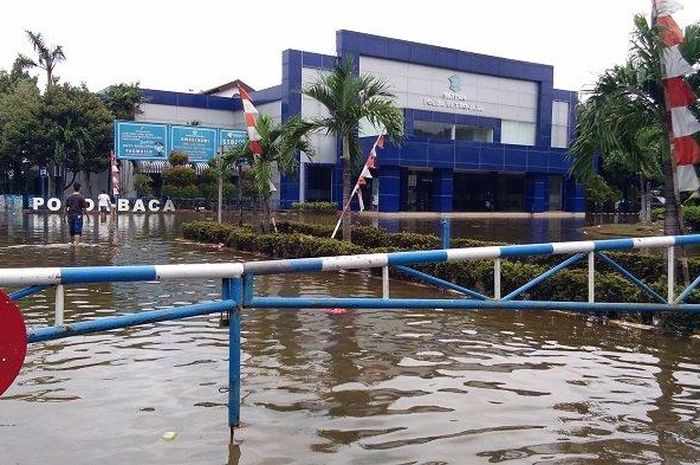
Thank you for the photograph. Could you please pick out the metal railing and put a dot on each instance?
(237, 287)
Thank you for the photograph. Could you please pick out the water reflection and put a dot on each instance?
(369, 387)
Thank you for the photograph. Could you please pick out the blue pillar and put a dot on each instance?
(289, 189)
(443, 185)
(337, 185)
(574, 196)
(536, 193)
(389, 188)
(233, 289)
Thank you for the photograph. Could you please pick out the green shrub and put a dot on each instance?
(179, 176)
(178, 158)
(143, 185)
(657, 213)
(316, 207)
(691, 216)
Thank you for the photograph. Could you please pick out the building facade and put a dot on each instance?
(482, 133)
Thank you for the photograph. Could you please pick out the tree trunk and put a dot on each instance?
(642, 202)
(347, 187)
(221, 198)
(673, 215)
(240, 196)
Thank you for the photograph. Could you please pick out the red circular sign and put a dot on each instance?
(13, 341)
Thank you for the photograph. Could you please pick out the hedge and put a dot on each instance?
(301, 240)
(316, 207)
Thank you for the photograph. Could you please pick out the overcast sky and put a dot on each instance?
(196, 45)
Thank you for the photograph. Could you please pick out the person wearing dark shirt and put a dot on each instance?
(75, 209)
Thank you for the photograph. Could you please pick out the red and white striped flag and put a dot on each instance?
(114, 173)
(365, 173)
(679, 95)
(251, 117)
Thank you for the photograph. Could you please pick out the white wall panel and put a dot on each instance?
(478, 95)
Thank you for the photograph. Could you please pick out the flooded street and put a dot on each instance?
(369, 387)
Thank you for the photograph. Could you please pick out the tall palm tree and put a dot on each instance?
(47, 57)
(625, 115)
(280, 144)
(350, 98)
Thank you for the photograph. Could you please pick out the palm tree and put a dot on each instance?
(47, 57)
(236, 156)
(280, 144)
(350, 98)
(626, 117)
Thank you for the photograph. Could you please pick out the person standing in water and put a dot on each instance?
(103, 203)
(75, 209)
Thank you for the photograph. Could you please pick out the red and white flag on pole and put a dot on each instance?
(114, 173)
(251, 118)
(679, 95)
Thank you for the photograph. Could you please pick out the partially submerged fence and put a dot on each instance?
(237, 288)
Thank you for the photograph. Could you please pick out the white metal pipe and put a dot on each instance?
(58, 314)
(671, 274)
(591, 277)
(385, 282)
(497, 279)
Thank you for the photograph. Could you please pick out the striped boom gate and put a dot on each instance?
(237, 287)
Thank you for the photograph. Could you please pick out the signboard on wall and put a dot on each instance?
(231, 137)
(197, 142)
(155, 141)
(141, 141)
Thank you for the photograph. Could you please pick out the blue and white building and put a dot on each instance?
(483, 133)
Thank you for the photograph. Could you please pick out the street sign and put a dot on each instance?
(13, 343)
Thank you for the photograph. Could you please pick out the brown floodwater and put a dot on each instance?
(371, 387)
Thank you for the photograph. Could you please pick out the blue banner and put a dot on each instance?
(198, 143)
(141, 141)
(232, 137)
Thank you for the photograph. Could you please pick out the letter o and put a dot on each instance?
(53, 204)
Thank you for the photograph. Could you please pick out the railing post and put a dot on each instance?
(58, 313)
(445, 233)
(385, 282)
(497, 279)
(232, 289)
(671, 274)
(591, 277)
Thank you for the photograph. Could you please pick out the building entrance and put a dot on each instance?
(417, 190)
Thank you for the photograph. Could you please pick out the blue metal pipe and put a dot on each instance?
(630, 277)
(466, 304)
(26, 292)
(124, 321)
(544, 276)
(234, 357)
(445, 233)
(441, 283)
(684, 295)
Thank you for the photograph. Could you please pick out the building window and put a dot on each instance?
(473, 133)
(434, 130)
(560, 125)
(318, 183)
(518, 132)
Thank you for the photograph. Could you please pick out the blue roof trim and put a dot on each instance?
(183, 99)
(358, 43)
(565, 95)
(317, 61)
(271, 94)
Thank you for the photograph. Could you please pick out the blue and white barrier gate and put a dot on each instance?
(237, 291)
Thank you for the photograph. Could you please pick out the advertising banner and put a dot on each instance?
(232, 137)
(198, 143)
(141, 141)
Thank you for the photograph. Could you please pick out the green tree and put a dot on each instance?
(77, 131)
(21, 130)
(280, 144)
(625, 117)
(123, 100)
(350, 99)
(47, 57)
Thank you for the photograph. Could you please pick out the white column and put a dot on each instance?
(58, 314)
(497, 279)
(385, 282)
(671, 274)
(591, 277)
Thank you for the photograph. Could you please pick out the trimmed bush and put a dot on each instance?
(316, 207)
